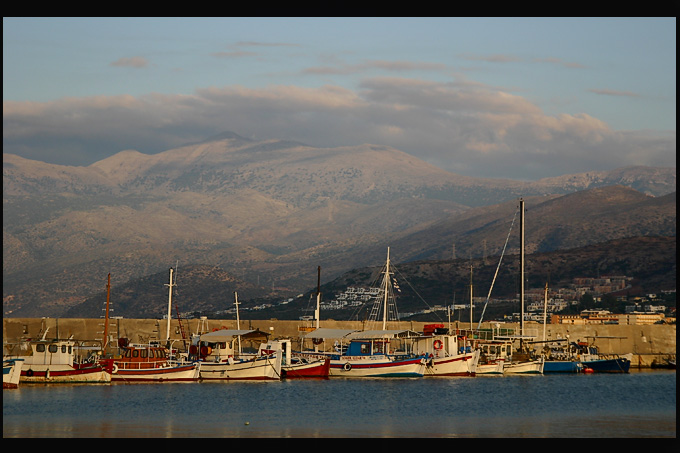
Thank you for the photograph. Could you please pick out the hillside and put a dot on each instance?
(651, 261)
(270, 210)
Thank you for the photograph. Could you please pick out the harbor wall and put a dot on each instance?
(646, 342)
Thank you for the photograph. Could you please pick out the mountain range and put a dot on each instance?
(267, 213)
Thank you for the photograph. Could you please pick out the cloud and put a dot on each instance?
(465, 128)
(131, 62)
(613, 93)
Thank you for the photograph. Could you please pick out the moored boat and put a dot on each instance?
(594, 363)
(150, 363)
(448, 355)
(11, 372)
(221, 359)
(296, 367)
(55, 362)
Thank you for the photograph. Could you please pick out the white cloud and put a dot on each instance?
(463, 128)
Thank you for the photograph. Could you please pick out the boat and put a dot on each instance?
(594, 363)
(296, 367)
(55, 362)
(522, 360)
(666, 363)
(448, 355)
(150, 363)
(560, 357)
(11, 372)
(492, 356)
(220, 357)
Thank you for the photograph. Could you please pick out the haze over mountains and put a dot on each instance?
(269, 212)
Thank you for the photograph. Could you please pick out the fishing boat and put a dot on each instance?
(367, 353)
(448, 355)
(150, 363)
(221, 359)
(594, 363)
(11, 372)
(55, 362)
(296, 367)
(559, 356)
(492, 356)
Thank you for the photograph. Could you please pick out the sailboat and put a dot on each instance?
(369, 353)
(522, 360)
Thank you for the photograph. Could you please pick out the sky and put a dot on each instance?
(517, 98)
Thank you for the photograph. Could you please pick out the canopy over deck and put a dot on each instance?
(224, 335)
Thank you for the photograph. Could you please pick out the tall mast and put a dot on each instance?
(106, 315)
(167, 335)
(318, 296)
(545, 308)
(238, 321)
(521, 259)
(470, 296)
(387, 285)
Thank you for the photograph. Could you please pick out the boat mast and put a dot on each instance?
(545, 308)
(521, 259)
(470, 296)
(238, 321)
(106, 315)
(167, 334)
(318, 296)
(387, 285)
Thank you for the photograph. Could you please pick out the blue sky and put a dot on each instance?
(519, 98)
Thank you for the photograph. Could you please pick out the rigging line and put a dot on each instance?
(396, 270)
(497, 268)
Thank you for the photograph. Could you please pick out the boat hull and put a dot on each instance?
(617, 365)
(490, 368)
(11, 373)
(181, 373)
(260, 369)
(64, 374)
(562, 366)
(318, 369)
(530, 367)
(460, 365)
(376, 366)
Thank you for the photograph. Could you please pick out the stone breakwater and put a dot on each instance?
(646, 342)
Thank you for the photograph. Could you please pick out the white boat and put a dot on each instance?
(296, 367)
(448, 355)
(55, 362)
(11, 372)
(220, 359)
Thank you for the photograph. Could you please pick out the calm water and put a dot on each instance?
(639, 404)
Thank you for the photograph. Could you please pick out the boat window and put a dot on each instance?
(63, 348)
(364, 348)
(53, 348)
(151, 353)
(70, 349)
(144, 354)
(40, 348)
(127, 353)
(135, 353)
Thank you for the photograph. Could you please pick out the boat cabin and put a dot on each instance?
(139, 357)
(55, 352)
(368, 347)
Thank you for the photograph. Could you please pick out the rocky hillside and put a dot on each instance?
(269, 211)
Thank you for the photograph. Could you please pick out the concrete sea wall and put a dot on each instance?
(646, 342)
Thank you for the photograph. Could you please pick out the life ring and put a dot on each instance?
(347, 366)
(29, 373)
(317, 341)
(115, 369)
(438, 344)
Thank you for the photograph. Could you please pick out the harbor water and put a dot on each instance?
(638, 404)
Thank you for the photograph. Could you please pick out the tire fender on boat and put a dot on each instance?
(347, 366)
(29, 373)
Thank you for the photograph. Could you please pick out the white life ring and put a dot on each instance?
(438, 344)
(347, 366)
(115, 369)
